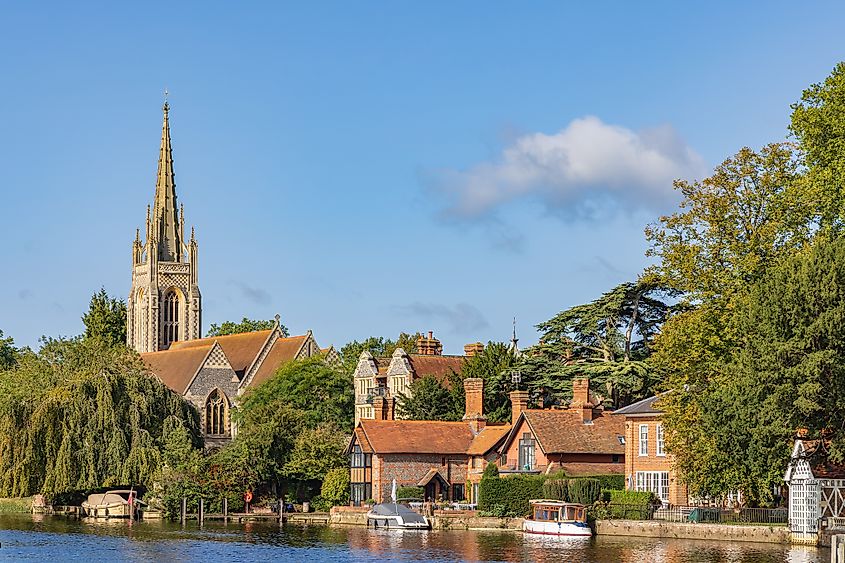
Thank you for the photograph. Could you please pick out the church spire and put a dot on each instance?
(165, 210)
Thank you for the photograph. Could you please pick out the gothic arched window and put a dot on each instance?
(171, 318)
(215, 413)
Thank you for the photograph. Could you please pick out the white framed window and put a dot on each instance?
(661, 444)
(643, 439)
(655, 481)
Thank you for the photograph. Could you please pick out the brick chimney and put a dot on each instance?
(519, 403)
(581, 398)
(384, 408)
(429, 346)
(473, 349)
(474, 412)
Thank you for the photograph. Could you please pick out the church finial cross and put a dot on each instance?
(166, 105)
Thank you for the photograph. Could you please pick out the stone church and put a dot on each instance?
(164, 317)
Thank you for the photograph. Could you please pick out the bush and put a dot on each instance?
(557, 489)
(321, 504)
(610, 482)
(491, 470)
(584, 491)
(513, 493)
(630, 505)
(410, 492)
(335, 489)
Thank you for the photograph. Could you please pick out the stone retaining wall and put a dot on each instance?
(680, 530)
(442, 519)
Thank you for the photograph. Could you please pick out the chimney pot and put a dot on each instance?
(473, 349)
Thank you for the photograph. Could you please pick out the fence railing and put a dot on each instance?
(693, 514)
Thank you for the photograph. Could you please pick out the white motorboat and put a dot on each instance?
(557, 518)
(112, 504)
(395, 515)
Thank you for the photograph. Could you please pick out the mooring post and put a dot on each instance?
(281, 511)
(184, 510)
(225, 510)
(201, 511)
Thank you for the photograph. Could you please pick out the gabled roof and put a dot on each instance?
(283, 351)
(414, 436)
(241, 349)
(177, 368)
(813, 454)
(643, 407)
(564, 432)
(438, 366)
(487, 440)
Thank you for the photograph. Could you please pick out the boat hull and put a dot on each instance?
(563, 529)
(111, 510)
(394, 522)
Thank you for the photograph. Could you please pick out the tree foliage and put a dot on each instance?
(608, 339)
(80, 415)
(493, 365)
(429, 399)
(106, 319)
(335, 489)
(245, 325)
(8, 352)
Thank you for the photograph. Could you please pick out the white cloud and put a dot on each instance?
(579, 169)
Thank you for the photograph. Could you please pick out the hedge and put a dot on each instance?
(584, 491)
(509, 496)
(410, 492)
(631, 505)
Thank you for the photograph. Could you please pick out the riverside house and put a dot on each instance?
(581, 440)
(440, 457)
(648, 466)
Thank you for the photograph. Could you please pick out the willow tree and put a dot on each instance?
(79, 415)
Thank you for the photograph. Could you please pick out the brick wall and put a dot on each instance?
(408, 469)
(652, 462)
(512, 453)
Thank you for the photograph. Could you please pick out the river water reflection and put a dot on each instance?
(59, 539)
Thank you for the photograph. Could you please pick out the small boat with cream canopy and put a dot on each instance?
(557, 518)
(112, 504)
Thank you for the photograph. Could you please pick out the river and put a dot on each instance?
(45, 538)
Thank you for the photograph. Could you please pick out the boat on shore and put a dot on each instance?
(117, 503)
(395, 515)
(557, 518)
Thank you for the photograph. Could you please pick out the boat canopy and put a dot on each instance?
(391, 509)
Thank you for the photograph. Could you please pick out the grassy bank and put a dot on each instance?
(8, 505)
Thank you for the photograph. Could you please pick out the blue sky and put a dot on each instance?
(366, 168)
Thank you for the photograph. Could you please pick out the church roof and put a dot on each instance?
(241, 349)
(176, 368)
(283, 351)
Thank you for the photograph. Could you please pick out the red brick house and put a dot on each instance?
(648, 466)
(440, 457)
(581, 440)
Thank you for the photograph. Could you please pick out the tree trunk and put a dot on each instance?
(630, 331)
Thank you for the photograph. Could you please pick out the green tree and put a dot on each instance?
(8, 352)
(246, 325)
(750, 214)
(335, 489)
(83, 414)
(819, 127)
(609, 340)
(316, 452)
(493, 365)
(430, 399)
(106, 319)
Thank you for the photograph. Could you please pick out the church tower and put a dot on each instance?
(164, 302)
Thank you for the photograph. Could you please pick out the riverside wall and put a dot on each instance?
(692, 531)
(442, 519)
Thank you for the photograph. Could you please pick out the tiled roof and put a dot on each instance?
(241, 349)
(817, 451)
(587, 469)
(176, 368)
(283, 351)
(416, 436)
(563, 431)
(362, 441)
(643, 407)
(432, 473)
(438, 366)
(488, 438)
